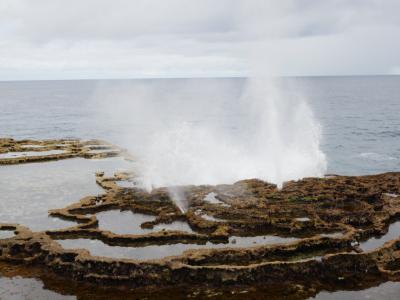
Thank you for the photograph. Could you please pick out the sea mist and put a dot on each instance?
(212, 131)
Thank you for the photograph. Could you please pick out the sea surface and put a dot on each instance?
(359, 116)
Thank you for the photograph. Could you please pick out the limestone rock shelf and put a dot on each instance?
(313, 232)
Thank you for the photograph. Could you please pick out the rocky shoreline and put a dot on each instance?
(329, 218)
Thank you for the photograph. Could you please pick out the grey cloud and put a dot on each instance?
(156, 38)
(44, 20)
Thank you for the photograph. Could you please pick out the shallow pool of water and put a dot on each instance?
(374, 243)
(387, 291)
(126, 183)
(127, 222)
(5, 234)
(303, 219)
(98, 248)
(30, 153)
(211, 198)
(208, 217)
(332, 235)
(177, 225)
(32, 146)
(28, 191)
(211, 218)
(18, 288)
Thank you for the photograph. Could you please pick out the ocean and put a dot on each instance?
(359, 115)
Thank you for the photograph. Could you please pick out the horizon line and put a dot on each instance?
(196, 77)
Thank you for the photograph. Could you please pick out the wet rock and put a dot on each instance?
(358, 207)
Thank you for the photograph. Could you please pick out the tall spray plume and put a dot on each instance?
(205, 131)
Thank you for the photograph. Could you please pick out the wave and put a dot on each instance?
(376, 156)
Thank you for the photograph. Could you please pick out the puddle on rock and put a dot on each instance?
(304, 219)
(5, 234)
(126, 184)
(18, 288)
(32, 146)
(374, 243)
(127, 222)
(332, 235)
(388, 291)
(211, 198)
(28, 191)
(211, 218)
(207, 217)
(98, 248)
(391, 195)
(30, 153)
(177, 225)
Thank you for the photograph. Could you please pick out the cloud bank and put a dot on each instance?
(49, 39)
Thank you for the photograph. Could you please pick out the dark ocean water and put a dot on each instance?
(359, 115)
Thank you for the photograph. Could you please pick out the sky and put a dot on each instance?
(75, 39)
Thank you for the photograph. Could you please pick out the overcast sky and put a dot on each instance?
(64, 39)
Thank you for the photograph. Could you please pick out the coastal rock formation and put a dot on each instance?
(26, 151)
(329, 218)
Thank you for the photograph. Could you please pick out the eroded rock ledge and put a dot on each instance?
(26, 151)
(329, 217)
